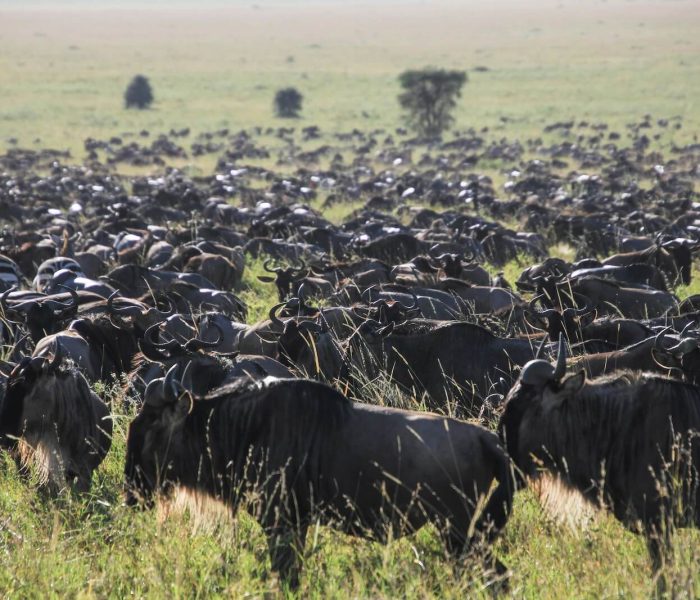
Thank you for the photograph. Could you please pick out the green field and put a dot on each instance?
(63, 71)
(64, 68)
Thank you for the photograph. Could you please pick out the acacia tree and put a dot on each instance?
(429, 97)
(139, 93)
(288, 102)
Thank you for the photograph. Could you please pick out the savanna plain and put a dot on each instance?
(63, 70)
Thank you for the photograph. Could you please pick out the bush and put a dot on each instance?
(288, 102)
(139, 93)
(429, 97)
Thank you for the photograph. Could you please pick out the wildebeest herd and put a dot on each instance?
(583, 370)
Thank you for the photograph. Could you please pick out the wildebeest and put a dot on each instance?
(447, 360)
(307, 453)
(50, 419)
(626, 441)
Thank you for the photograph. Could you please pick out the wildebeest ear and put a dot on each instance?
(553, 398)
(266, 279)
(573, 383)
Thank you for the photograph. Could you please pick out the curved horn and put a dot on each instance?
(273, 315)
(3, 298)
(170, 381)
(658, 340)
(546, 313)
(124, 311)
(186, 379)
(414, 305)
(301, 294)
(198, 344)
(684, 346)
(149, 338)
(268, 269)
(72, 305)
(57, 356)
(164, 313)
(303, 265)
(560, 367)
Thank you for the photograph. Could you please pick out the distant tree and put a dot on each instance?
(288, 102)
(139, 93)
(429, 97)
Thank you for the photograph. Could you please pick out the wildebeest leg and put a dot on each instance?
(286, 546)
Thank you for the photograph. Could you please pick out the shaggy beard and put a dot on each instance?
(562, 503)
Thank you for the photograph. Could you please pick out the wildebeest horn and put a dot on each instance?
(303, 265)
(548, 312)
(3, 299)
(170, 382)
(301, 294)
(560, 367)
(124, 311)
(659, 339)
(271, 270)
(273, 314)
(414, 305)
(57, 356)
(149, 338)
(169, 312)
(539, 372)
(197, 344)
(684, 346)
(60, 307)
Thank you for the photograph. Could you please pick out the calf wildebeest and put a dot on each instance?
(306, 452)
(50, 419)
(625, 441)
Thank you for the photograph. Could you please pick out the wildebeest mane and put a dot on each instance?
(57, 408)
(619, 429)
(254, 427)
(115, 344)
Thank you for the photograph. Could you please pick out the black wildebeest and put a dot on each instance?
(50, 419)
(447, 360)
(306, 452)
(625, 441)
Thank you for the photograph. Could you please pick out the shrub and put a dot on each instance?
(288, 102)
(429, 97)
(139, 93)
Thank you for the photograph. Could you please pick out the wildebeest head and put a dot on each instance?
(43, 316)
(154, 438)
(135, 317)
(681, 251)
(541, 387)
(52, 420)
(567, 321)
(313, 349)
(284, 278)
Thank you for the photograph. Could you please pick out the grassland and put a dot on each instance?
(95, 547)
(64, 67)
(63, 70)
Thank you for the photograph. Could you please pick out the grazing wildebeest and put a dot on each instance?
(449, 361)
(626, 441)
(51, 419)
(306, 452)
